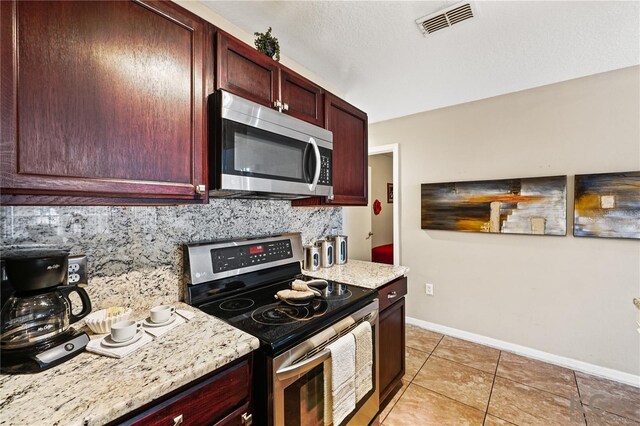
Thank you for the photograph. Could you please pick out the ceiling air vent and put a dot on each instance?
(445, 18)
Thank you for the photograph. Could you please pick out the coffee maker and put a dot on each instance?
(35, 320)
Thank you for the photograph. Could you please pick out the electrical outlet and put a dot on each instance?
(428, 288)
(77, 270)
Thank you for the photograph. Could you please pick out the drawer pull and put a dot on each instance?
(392, 295)
(178, 420)
(247, 419)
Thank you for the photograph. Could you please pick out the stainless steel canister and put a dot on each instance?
(311, 260)
(339, 248)
(326, 253)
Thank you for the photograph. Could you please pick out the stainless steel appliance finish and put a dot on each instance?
(302, 365)
(340, 248)
(200, 268)
(293, 339)
(311, 258)
(262, 153)
(326, 253)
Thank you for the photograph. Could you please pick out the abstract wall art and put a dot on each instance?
(506, 206)
(607, 205)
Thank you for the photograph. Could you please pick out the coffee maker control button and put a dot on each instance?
(69, 347)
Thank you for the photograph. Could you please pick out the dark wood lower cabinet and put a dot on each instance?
(221, 399)
(392, 337)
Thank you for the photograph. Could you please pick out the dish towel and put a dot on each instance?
(161, 331)
(340, 380)
(97, 347)
(364, 359)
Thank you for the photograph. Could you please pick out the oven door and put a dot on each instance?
(263, 150)
(298, 386)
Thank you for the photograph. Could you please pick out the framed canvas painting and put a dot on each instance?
(535, 206)
(607, 205)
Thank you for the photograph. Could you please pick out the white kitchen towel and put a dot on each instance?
(364, 359)
(342, 376)
(161, 331)
(97, 347)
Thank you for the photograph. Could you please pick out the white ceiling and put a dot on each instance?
(374, 53)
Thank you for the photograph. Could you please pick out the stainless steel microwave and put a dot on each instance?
(259, 152)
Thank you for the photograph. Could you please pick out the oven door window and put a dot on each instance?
(253, 152)
(304, 400)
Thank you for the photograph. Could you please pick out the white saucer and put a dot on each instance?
(148, 323)
(109, 342)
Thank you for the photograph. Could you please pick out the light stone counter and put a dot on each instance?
(360, 273)
(91, 389)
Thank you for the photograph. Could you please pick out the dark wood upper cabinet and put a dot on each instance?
(104, 99)
(244, 71)
(350, 155)
(304, 99)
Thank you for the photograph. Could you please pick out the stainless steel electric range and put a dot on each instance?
(236, 281)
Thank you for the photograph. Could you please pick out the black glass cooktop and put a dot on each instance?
(278, 324)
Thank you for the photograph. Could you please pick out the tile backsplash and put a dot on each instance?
(134, 253)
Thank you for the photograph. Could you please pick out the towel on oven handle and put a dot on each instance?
(339, 382)
(364, 359)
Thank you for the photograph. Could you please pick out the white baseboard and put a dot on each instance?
(574, 364)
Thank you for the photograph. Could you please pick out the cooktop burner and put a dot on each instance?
(237, 304)
(275, 322)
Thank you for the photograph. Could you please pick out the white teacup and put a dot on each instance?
(124, 330)
(161, 313)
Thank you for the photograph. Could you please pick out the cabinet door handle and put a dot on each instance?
(247, 419)
(200, 189)
(285, 107)
(178, 420)
(278, 105)
(392, 295)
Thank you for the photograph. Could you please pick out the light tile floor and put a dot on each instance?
(449, 381)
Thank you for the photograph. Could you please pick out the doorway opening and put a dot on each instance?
(374, 230)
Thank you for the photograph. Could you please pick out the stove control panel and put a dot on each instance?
(229, 258)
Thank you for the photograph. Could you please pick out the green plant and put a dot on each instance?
(267, 44)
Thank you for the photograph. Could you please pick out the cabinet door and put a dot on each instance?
(244, 71)
(350, 152)
(392, 347)
(304, 99)
(102, 99)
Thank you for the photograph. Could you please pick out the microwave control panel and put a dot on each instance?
(325, 171)
(228, 258)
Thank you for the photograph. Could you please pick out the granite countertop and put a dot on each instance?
(92, 390)
(360, 273)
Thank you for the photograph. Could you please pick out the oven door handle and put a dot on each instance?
(304, 366)
(316, 176)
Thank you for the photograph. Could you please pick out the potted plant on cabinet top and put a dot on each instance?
(267, 44)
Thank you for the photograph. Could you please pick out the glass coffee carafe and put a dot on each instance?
(39, 311)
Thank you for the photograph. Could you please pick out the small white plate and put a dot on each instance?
(148, 323)
(109, 342)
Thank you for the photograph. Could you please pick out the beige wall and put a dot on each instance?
(563, 295)
(382, 224)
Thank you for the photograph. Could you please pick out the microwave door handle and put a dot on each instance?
(316, 176)
(303, 366)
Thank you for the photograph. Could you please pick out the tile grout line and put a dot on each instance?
(465, 365)
(584, 414)
(449, 398)
(495, 374)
